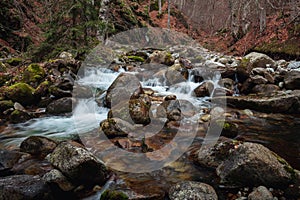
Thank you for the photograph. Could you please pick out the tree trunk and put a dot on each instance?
(159, 6)
(169, 13)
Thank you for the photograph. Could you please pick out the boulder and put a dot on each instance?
(260, 193)
(5, 105)
(78, 164)
(192, 190)
(38, 146)
(8, 159)
(19, 116)
(22, 93)
(266, 89)
(161, 57)
(56, 177)
(253, 164)
(205, 89)
(292, 80)
(259, 60)
(125, 86)
(139, 109)
(19, 187)
(33, 74)
(60, 106)
(257, 79)
(115, 127)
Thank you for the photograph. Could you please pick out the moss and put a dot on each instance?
(244, 62)
(33, 73)
(14, 61)
(286, 166)
(113, 195)
(136, 58)
(21, 92)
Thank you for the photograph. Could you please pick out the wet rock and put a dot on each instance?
(38, 146)
(78, 164)
(280, 103)
(8, 159)
(19, 187)
(115, 127)
(22, 93)
(170, 109)
(293, 65)
(260, 193)
(174, 75)
(266, 89)
(205, 89)
(292, 80)
(125, 87)
(192, 190)
(32, 166)
(139, 109)
(254, 164)
(161, 57)
(19, 116)
(60, 106)
(56, 177)
(227, 83)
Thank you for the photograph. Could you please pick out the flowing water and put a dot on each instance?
(87, 115)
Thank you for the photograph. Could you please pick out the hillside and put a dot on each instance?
(44, 29)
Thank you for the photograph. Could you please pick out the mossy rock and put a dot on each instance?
(14, 61)
(113, 195)
(18, 116)
(22, 93)
(33, 74)
(6, 104)
(43, 89)
(136, 58)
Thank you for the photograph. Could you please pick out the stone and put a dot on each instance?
(56, 177)
(253, 164)
(192, 190)
(125, 86)
(279, 103)
(19, 187)
(227, 83)
(8, 159)
(19, 116)
(292, 80)
(33, 74)
(22, 93)
(5, 105)
(266, 89)
(259, 60)
(115, 127)
(293, 65)
(260, 193)
(78, 164)
(257, 79)
(38, 146)
(139, 109)
(161, 57)
(60, 106)
(205, 89)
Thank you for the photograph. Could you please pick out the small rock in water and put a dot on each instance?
(260, 193)
(192, 190)
(55, 176)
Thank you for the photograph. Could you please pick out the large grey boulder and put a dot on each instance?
(260, 193)
(192, 190)
(254, 164)
(60, 106)
(78, 164)
(259, 60)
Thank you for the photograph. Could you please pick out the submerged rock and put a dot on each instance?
(254, 164)
(192, 190)
(78, 164)
(19, 187)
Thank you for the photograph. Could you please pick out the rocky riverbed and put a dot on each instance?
(255, 102)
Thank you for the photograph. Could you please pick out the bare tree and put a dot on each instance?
(169, 13)
(159, 6)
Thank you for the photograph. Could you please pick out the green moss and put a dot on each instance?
(14, 61)
(286, 166)
(113, 195)
(21, 92)
(136, 58)
(33, 73)
(244, 62)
